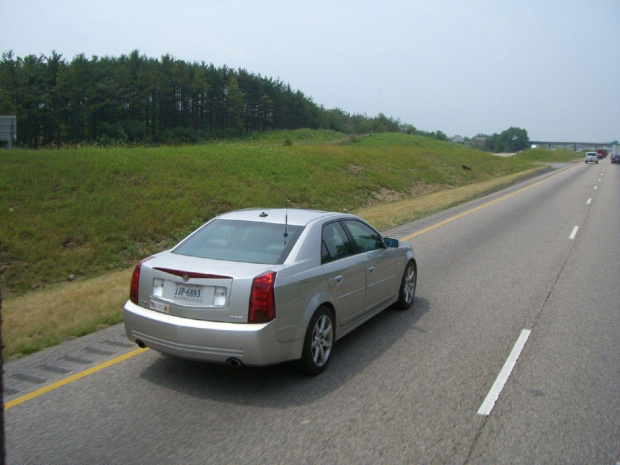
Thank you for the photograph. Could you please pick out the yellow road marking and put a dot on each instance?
(70, 379)
(479, 207)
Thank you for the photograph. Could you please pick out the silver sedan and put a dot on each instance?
(259, 287)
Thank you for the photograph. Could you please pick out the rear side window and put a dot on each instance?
(335, 243)
(241, 241)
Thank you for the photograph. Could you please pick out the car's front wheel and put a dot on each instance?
(407, 287)
(319, 342)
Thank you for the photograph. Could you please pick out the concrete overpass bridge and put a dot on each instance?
(577, 146)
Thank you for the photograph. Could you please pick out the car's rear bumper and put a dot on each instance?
(251, 344)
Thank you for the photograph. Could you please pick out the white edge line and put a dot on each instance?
(498, 385)
(574, 233)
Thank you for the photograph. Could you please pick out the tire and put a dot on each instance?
(407, 287)
(318, 343)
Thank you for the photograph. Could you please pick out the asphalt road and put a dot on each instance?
(540, 260)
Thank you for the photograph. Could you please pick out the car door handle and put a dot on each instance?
(371, 270)
(338, 279)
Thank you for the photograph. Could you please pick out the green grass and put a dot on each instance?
(300, 136)
(94, 212)
(87, 211)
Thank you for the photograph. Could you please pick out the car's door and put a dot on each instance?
(380, 264)
(345, 272)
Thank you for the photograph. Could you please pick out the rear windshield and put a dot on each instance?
(241, 241)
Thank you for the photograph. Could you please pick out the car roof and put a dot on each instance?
(292, 216)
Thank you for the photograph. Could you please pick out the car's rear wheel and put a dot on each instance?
(318, 342)
(407, 287)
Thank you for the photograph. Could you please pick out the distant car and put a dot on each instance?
(615, 158)
(592, 157)
(259, 287)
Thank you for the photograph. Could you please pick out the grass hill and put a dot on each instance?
(92, 212)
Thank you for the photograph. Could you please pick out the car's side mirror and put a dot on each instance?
(391, 242)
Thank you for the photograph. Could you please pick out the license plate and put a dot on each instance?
(187, 293)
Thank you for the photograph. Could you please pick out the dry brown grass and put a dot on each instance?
(62, 311)
(388, 215)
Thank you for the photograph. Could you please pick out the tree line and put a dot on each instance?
(134, 99)
(511, 140)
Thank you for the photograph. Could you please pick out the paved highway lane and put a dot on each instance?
(564, 398)
(407, 387)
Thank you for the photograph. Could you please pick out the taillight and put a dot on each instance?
(135, 281)
(262, 298)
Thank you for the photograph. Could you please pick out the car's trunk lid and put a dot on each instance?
(198, 288)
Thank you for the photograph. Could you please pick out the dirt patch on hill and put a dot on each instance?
(385, 195)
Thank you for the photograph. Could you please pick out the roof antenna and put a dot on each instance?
(286, 223)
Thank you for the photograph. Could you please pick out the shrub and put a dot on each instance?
(111, 134)
(179, 136)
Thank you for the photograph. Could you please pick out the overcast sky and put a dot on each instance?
(551, 67)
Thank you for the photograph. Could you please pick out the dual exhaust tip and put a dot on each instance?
(233, 362)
